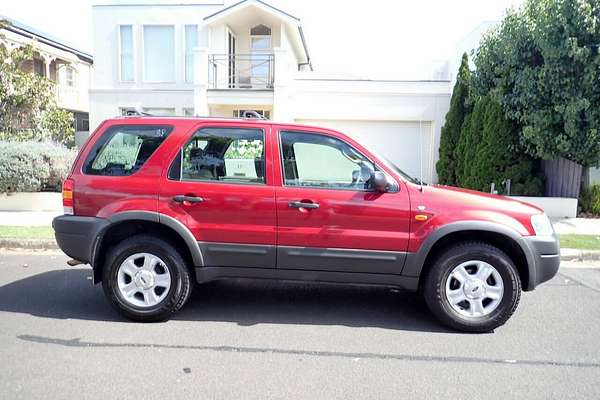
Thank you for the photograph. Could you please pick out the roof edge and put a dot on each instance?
(288, 15)
(27, 31)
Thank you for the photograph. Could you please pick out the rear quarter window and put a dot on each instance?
(123, 149)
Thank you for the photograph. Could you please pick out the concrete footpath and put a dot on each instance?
(578, 226)
(27, 218)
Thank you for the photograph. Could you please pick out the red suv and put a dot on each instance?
(156, 204)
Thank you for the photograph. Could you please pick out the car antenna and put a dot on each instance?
(420, 156)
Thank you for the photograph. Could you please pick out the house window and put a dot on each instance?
(159, 53)
(126, 53)
(70, 76)
(39, 68)
(260, 48)
(188, 112)
(191, 41)
(261, 38)
(260, 30)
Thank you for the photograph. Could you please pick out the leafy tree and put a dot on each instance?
(446, 166)
(27, 107)
(543, 65)
(58, 125)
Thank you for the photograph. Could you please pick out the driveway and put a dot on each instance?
(59, 338)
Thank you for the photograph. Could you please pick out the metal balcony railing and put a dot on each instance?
(241, 71)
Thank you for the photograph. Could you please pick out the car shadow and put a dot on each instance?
(68, 294)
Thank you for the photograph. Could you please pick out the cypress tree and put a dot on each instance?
(470, 139)
(498, 156)
(446, 166)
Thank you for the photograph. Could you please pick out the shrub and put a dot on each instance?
(590, 200)
(33, 166)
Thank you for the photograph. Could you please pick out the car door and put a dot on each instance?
(220, 186)
(328, 216)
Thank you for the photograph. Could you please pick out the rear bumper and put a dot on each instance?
(77, 236)
(543, 258)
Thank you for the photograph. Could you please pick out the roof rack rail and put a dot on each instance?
(247, 114)
(251, 114)
(136, 112)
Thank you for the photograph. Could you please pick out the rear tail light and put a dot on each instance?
(67, 195)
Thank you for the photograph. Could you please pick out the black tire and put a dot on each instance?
(434, 288)
(178, 293)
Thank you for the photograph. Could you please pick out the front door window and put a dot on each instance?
(311, 160)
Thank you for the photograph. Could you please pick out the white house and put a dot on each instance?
(209, 59)
(68, 67)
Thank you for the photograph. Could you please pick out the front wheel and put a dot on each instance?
(146, 279)
(473, 287)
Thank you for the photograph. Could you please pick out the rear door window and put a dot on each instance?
(233, 155)
(123, 149)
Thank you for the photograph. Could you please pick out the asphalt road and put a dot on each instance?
(60, 339)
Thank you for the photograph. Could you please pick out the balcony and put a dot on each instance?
(241, 71)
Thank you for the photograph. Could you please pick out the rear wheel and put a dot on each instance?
(146, 279)
(473, 287)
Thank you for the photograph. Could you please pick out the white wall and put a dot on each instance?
(108, 93)
(408, 144)
(387, 102)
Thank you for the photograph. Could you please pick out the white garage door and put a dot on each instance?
(403, 142)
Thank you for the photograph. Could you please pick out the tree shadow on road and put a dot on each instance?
(68, 294)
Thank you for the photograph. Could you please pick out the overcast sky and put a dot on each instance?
(379, 39)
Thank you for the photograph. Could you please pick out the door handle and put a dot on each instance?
(302, 204)
(190, 199)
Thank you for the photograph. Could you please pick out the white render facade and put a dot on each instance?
(213, 59)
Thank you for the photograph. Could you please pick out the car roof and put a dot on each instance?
(174, 119)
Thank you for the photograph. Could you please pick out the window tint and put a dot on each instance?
(314, 160)
(224, 154)
(122, 150)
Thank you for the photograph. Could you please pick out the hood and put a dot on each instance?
(472, 199)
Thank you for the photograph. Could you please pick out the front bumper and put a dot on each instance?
(543, 258)
(77, 236)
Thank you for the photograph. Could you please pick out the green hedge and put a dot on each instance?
(33, 166)
(590, 200)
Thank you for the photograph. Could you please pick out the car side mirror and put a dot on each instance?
(379, 182)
